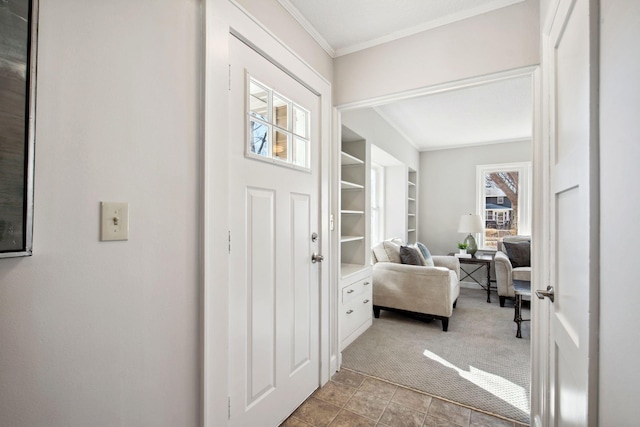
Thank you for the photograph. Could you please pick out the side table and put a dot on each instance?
(522, 288)
(478, 261)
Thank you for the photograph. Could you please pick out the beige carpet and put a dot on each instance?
(478, 363)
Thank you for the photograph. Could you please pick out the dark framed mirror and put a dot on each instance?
(18, 40)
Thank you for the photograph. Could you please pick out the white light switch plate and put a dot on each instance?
(114, 221)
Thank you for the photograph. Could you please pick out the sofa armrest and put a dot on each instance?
(504, 279)
(450, 262)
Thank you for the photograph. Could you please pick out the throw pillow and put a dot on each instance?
(392, 250)
(409, 256)
(422, 260)
(428, 260)
(519, 253)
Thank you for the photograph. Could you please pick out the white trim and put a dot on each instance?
(439, 88)
(275, 38)
(477, 144)
(308, 27)
(222, 18)
(540, 268)
(424, 27)
(334, 53)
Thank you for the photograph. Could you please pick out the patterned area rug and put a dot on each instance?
(478, 363)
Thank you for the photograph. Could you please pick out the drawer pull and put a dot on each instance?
(365, 283)
(365, 301)
(350, 291)
(349, 311)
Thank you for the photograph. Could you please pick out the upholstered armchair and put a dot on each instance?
(506, 272)
(431, 291)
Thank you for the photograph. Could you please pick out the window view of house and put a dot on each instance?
(503, 201)
(501, 206)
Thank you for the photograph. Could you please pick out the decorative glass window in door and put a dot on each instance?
(278, 128)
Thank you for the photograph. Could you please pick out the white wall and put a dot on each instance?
(367, 123)
(447, 187)
(283, 26)
(107, 333)
(620, 204)
(504, 39)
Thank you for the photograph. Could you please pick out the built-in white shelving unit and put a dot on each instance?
(412, 206)
(355, 294)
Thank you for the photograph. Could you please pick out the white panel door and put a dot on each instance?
(571, 55)
(274, 286)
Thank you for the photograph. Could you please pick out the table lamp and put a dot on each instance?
(471, 224)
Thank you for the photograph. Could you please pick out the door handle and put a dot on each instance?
(549, 293)
(316, 258)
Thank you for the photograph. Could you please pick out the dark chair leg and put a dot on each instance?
(445, 324)
(455, 303)
(376, 312)
(502, 300)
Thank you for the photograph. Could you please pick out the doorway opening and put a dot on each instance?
(439, 205)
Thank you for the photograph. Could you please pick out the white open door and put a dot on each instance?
(274, 171)
(570, 59)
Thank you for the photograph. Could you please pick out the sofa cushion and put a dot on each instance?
(519, 253)
(410, 255)
(521, 273)
(428, 260)
(387, 251)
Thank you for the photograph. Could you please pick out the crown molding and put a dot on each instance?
(424, 27)
(334, 53)
(477, 144)
(308, 27)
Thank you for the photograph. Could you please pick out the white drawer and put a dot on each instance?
(355, 290)
(355, 313)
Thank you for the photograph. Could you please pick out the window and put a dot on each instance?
(278, 128)
(503, 201)
(377, 204)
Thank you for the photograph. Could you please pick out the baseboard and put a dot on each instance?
(334, 364)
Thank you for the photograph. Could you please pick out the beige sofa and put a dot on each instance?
(428, 291)
(506, 273)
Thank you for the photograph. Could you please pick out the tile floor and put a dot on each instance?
(354, 400)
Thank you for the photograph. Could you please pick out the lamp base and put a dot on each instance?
(472, 246)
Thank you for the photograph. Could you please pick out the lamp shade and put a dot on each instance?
(471, 223)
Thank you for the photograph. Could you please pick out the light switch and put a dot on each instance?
(114, 221)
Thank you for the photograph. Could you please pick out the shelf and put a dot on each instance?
(346, 185)
(349, 269)
(412, 214)
(411, 230)
(345, 239)
(411, 184)
(352, 212)
(348, 159)
(411, 199)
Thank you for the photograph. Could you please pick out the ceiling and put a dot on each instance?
(346, 26)
(488, 113)
(498, 111)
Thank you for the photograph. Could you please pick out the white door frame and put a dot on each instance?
(542, 392)
(221, 18)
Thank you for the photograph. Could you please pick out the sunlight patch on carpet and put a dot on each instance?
(509, 392)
